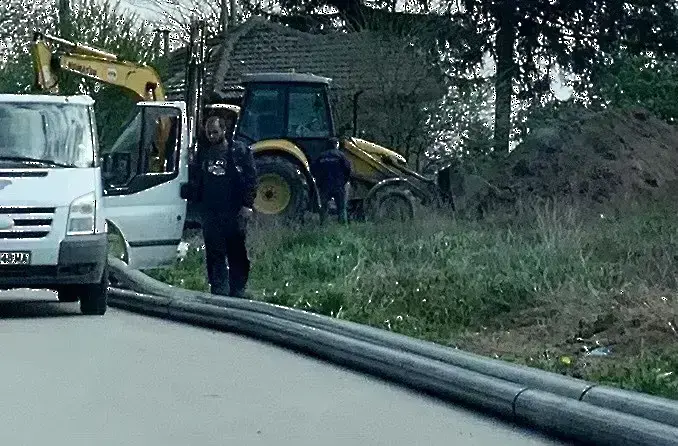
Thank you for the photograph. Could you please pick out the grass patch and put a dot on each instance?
(544, 286)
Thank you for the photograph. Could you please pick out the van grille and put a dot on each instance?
(29, 222)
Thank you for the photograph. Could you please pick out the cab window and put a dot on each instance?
(263, 114)
(148, 144)
(308, 113)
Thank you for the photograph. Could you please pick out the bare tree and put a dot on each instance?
(178, 14)
(396, 114)
(407, 92)
(218, 15)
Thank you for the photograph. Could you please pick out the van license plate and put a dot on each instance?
(15, 258)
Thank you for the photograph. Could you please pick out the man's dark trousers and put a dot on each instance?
(332, 171)
(225, 238)
(339, 195)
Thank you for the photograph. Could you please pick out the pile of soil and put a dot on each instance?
(606, 156)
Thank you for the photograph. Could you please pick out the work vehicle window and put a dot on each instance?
(147, 144)
(263, 114)
(124, 154)
(308, 113)
(159, 140)
(46, 135)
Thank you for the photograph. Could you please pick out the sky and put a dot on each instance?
(141, 7)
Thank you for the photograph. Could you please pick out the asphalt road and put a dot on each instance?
(125, 379)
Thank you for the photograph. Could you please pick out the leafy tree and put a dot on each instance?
(643, 80)
(529, 38)
(17, 19)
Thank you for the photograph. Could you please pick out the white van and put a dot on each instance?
(56, 207)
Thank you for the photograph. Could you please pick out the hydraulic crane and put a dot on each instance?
(51, 55)
(139, 80)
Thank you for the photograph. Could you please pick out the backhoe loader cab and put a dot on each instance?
(287, 119)
(288, 106)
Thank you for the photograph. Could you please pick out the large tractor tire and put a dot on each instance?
(392, 204)
(283, 191)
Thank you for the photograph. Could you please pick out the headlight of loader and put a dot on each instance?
(81, 215)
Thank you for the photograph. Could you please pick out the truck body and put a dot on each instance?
(57, 203)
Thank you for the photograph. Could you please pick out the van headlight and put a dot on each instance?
(81, 215)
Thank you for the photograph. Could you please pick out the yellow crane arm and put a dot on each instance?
(141, 80)
(138, 79)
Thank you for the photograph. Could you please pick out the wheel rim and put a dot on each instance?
(273, 194)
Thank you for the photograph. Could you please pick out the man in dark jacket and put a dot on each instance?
(332, 171)
(227, 189)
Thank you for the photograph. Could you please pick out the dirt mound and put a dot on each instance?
(599, 156)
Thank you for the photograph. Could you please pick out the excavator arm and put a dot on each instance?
(140, 80)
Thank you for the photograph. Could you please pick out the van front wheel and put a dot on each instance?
(67, 293)
(94, 296)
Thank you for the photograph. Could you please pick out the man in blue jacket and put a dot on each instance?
(227, 189)
(332, 171)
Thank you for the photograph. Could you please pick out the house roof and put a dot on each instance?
(285, 78)
(353, 61)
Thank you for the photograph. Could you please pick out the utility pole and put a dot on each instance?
(228, 16)
(234, 12)
(223, 17)
(64, 9)
(164, 32)
(165, 42)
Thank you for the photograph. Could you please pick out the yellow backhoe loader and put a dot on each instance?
(271, 118)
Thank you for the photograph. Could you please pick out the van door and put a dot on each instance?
(143, 174)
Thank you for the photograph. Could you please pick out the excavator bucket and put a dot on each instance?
(42, 65)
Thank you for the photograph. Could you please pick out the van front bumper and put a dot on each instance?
(82, 260)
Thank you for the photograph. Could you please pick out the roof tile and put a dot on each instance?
(354, 61)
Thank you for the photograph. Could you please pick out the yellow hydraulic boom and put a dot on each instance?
(140, 81)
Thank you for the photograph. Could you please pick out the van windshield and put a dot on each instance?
(46, 134)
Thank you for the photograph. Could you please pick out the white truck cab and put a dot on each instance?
(56, 206)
